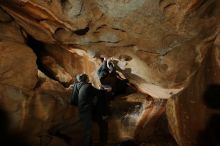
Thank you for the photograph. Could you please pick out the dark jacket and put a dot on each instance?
(107, 76)
(86, 97)
(75, 92)
(103, 70)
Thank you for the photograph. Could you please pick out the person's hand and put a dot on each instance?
(70, 87)
(109, 60)
(108, 89)
(100, 87)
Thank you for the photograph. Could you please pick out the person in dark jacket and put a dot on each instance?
(86, 96)
(110, 78)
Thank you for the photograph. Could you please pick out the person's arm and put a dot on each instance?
(103, 65)
(109, 62)
(70, 87)
(102, 68)
(100, 92)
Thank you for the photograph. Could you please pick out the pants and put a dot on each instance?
(99, 111)
(86, 120)
(103, 128)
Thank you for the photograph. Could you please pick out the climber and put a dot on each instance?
(110, 78)
(87, 95)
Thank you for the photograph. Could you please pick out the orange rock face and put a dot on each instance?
(168, 49)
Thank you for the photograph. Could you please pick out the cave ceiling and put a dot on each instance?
(158, 44)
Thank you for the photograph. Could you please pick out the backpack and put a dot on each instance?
(75, 93)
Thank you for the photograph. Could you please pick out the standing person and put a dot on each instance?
(84, 95)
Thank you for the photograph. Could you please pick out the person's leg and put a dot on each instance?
(103, 129)
(86, 119)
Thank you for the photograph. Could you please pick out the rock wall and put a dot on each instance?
(166, 48)
(191, 111)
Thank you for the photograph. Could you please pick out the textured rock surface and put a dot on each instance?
(200, 96)
(57, 71)
(167, 48)
(152, 33)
